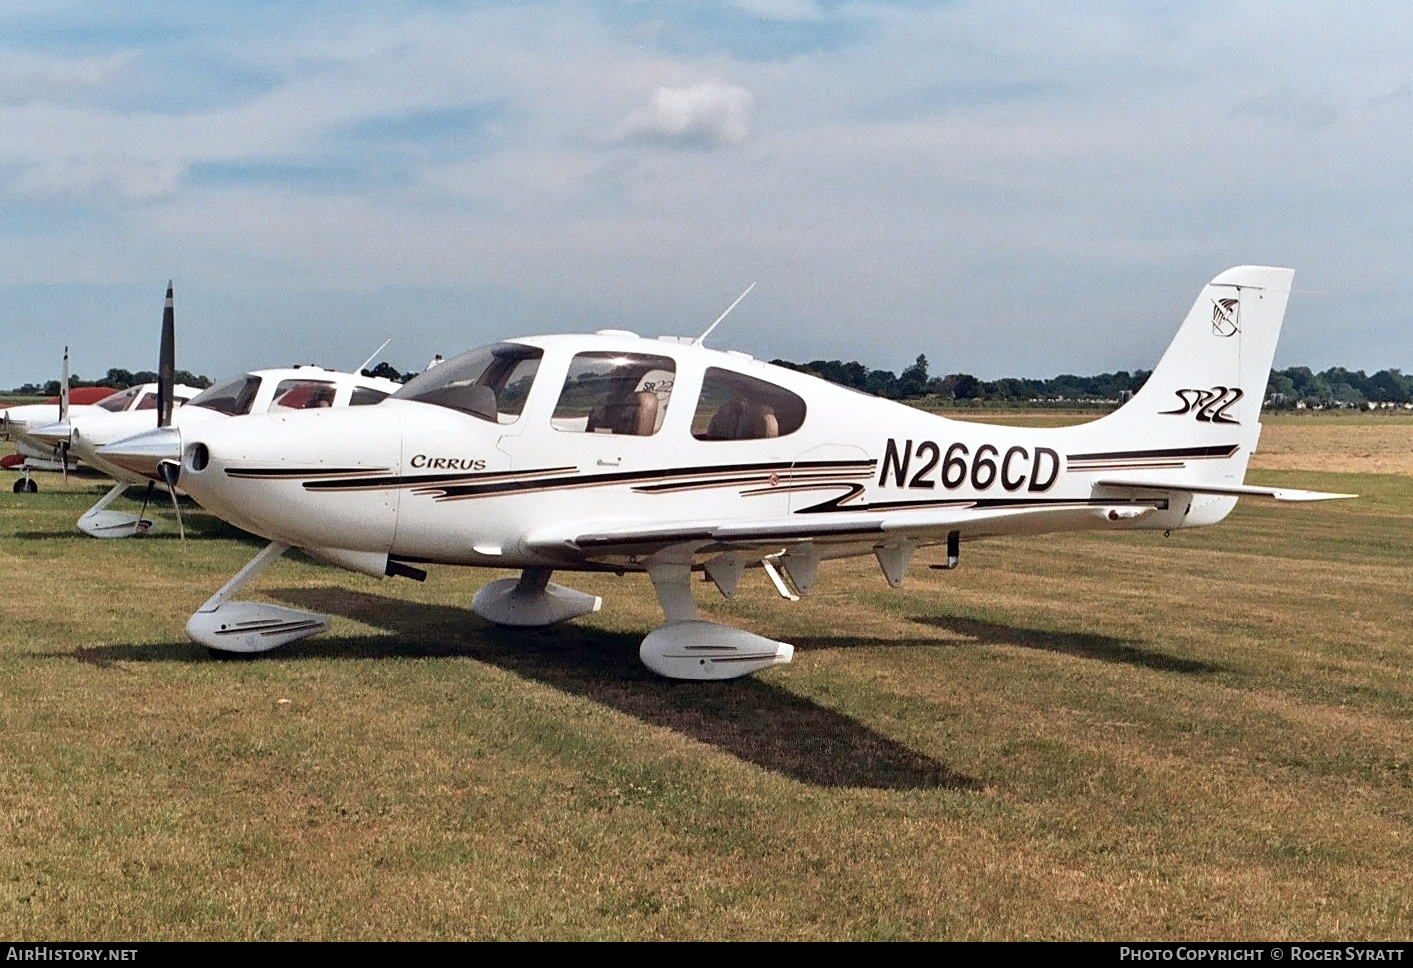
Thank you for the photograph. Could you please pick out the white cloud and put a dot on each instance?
(132, 179)
(709, 115)
(1286, 106)
(787, 11)
(28, 76)
(1052, 160)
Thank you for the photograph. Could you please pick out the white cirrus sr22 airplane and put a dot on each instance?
(612, 452)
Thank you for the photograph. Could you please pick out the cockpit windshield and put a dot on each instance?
(123, 399)
(233, 397)
(491, 383)
(120, 401)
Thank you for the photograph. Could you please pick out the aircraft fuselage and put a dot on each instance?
(425, 482)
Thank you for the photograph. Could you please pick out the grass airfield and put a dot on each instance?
(1203, 736)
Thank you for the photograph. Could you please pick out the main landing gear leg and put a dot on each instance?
(251, 626)
(688, 647)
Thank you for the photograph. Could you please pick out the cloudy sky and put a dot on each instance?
(1010, 188)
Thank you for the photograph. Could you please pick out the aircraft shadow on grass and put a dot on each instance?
(1083, 645)
(750, 719)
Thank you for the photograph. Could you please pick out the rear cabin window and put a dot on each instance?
(303, 395)
(615, 393)
(491, 383)
(738, 407)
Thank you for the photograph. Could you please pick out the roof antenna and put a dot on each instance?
(360, 369)
(702, 338)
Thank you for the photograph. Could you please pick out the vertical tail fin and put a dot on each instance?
(1206, 391)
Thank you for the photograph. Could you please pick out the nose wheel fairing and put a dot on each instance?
(99, 522)
(251, 626)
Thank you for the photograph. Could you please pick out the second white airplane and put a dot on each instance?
(615, 453)
(290, 388)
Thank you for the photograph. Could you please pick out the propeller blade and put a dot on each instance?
(167, 362)
(64, 458)
(64, 390)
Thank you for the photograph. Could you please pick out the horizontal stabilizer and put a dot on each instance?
(1229, 490)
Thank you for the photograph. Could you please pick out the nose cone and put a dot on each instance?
(141, 454)
(310, 478)
(16, 421)
(49, 435)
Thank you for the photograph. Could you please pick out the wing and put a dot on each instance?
(1228, 490)
(834, 535)
(844, 533)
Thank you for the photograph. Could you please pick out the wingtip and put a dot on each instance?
(1291, 494)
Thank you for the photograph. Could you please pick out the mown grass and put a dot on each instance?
(1208, 735)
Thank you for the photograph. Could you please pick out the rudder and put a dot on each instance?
(1208, 387)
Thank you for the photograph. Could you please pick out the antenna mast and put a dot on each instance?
(360, 369)
(702, 338)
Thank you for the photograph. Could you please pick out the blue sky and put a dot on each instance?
(1012, 189)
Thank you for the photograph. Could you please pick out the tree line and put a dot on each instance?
(1292, 387)
(115, 380)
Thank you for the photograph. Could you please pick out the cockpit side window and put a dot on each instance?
(303, 395)
(734, 406)
(234, 397)
(615, 393)
(491, 383)
(366, 397)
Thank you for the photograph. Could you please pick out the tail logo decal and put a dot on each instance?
(1208, 406)
(1226, 317)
